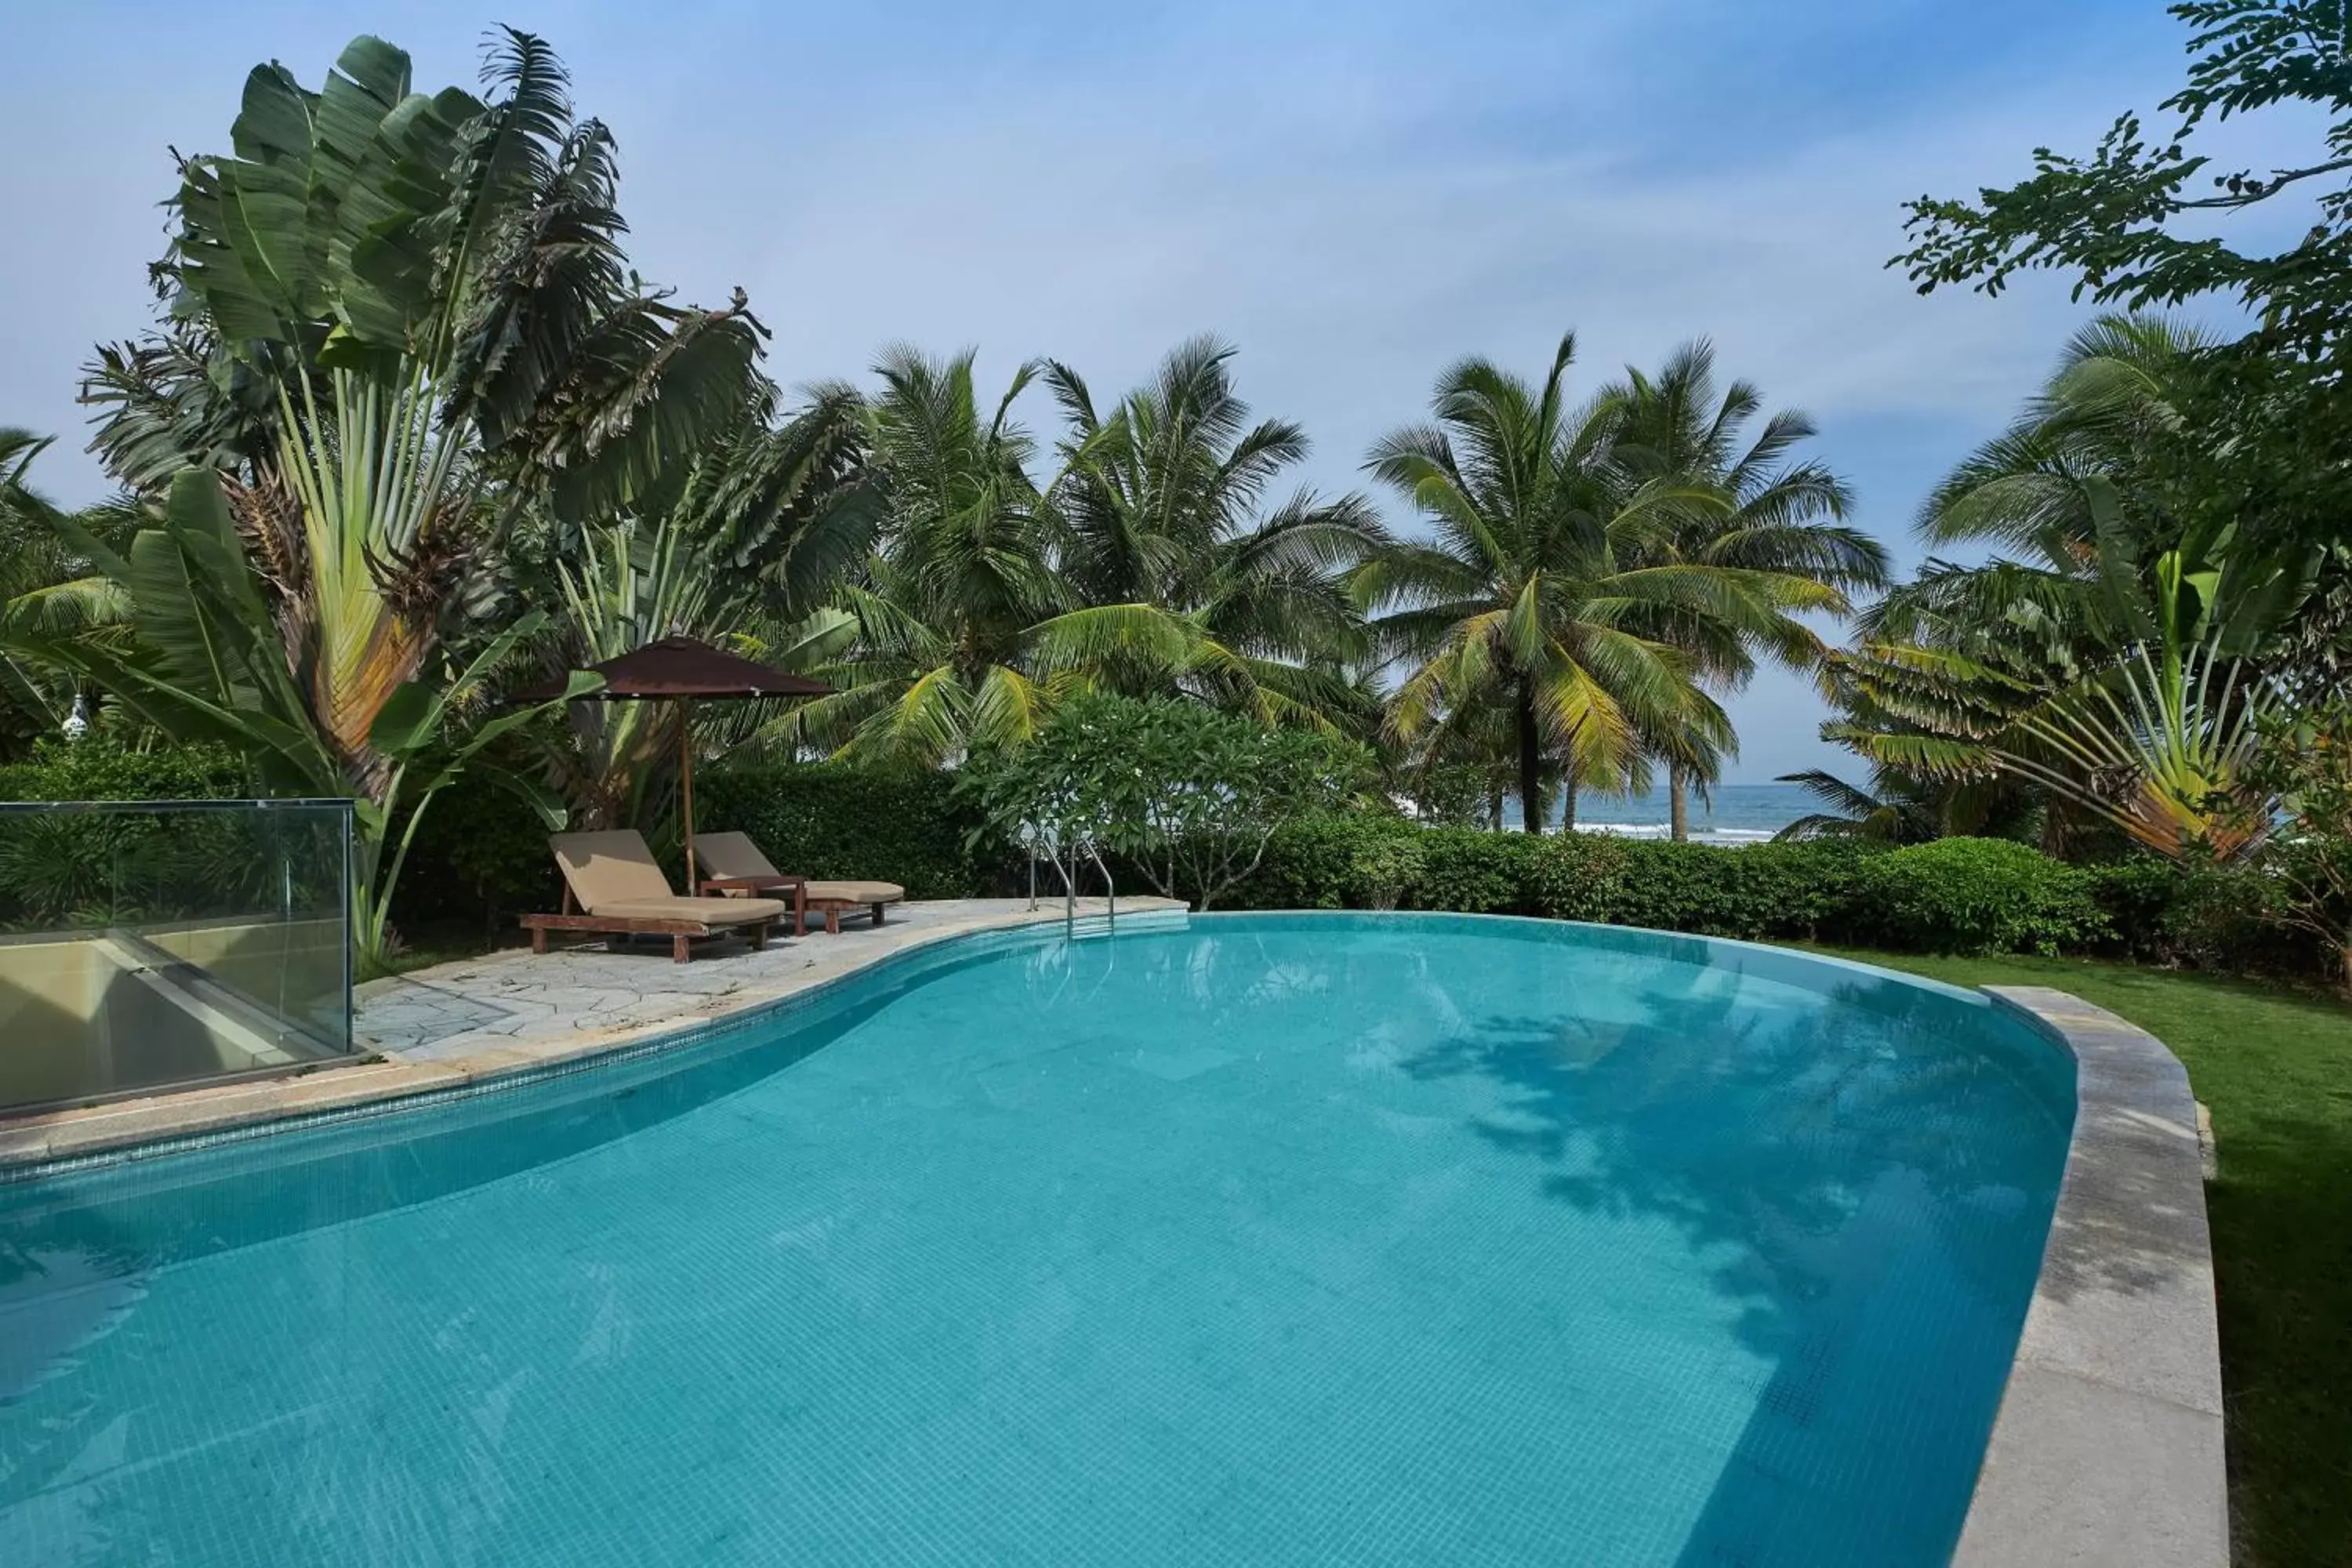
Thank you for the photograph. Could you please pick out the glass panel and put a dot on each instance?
(152, 942)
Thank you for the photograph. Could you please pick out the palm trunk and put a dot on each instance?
(1530, 763)
(1568, 803)
(1495, 805)
(1679, 802)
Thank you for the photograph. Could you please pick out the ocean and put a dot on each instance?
(1739, 813)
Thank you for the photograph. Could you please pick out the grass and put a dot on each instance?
(2275, 1068)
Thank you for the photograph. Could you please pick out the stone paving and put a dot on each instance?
(515, 1010)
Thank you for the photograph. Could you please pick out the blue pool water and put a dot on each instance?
(1288, 1239)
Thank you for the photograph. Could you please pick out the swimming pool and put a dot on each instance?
(1277, 1239)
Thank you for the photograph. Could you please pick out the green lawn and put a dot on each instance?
(2277, 1069)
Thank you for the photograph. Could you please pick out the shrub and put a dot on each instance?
(1957, 895)
(1803, 890)
(480, 854)
(73, 869)
(1977, 895)
(99, 767)
(838, 819)
(1187, 795)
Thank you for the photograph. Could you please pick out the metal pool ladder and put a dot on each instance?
(1068, 872)
(1110, 895)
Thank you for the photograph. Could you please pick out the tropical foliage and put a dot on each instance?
(395, 324)
(1593, 567)
(408, 430)
(1188, 795)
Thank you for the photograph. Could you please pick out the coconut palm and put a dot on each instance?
(1165, 506)
(947, 599)
(2054, 496)
(1550, 579)
(1783, 517)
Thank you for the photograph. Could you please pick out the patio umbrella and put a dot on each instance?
(681, 669)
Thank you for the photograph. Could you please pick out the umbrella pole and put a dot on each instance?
(685, 768)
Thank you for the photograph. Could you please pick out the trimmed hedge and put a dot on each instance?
(837, 819)
(1959, 895)
(97, 767)
(1978, 895)
(1369, 861)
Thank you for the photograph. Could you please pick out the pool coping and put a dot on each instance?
(2109, 1448)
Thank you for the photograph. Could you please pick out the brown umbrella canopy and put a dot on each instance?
(682, 670)
(681, 666)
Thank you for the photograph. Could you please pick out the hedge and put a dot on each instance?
(481, 857)
(1954, 895)
(836, 819)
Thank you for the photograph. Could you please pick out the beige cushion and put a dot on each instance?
(729, 855)
(709, 911)
(854, 893)
(604, 868)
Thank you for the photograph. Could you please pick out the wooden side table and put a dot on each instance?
(752, 886)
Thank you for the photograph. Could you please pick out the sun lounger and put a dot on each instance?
(732, 862)
(620, 891)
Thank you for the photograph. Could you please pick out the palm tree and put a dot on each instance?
(47, 589)
(1551, 580)
(1783, 518)
(2117, 666)
(1165, 506)
(2061, 491)
(1902, 810)
(948, 600)
(397, 323)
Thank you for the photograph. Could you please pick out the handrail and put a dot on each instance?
(1110, 891)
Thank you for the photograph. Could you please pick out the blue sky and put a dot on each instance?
(1355, 194)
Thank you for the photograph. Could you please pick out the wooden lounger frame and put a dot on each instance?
(832, 908)
(679, 932)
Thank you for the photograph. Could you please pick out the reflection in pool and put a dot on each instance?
(1280, 1239)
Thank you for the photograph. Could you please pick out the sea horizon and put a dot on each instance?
(1736, 814)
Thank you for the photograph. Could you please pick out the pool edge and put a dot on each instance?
(202, 1116)
(2109, 1448)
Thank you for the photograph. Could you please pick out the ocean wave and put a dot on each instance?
(1728, 836)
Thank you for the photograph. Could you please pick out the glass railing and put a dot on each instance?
(148, 943)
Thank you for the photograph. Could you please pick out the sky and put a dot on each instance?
(1356, 196)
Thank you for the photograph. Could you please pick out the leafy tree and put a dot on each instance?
(2142, 221)
(2305, 763)
(1552, 581)
(2115, 652)
(1164, 506)
(395, 322)
(2116, 219)
(1782, 517)
(1188, 794)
